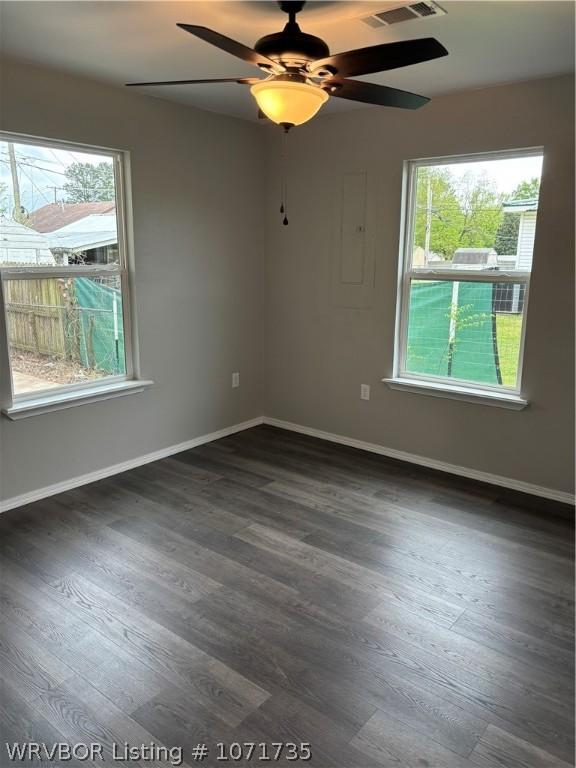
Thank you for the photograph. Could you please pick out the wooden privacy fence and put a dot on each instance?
(78, 319)
(37, 317)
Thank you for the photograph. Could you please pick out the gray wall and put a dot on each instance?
(204, 289)
(323, 342)
(197, 202)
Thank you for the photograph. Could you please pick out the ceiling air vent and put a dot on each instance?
(404, 12)
(424, 9)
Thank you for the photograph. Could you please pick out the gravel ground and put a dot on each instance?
(52, 369)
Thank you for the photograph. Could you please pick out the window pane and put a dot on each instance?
(477, 215)
(57, 207)
(64, 331)
(467, 331)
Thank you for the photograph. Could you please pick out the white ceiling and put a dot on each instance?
(489, 42)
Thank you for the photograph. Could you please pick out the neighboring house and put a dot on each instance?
(510, 296)
(56, 215)
(92, 240)
(528, 210)
(20, 245)
(83, 232)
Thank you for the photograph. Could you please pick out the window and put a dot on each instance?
(64, 269)
(470, 224)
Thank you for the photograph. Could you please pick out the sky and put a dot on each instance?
(506, 173)
(40, 170)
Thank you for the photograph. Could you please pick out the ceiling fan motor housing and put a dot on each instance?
(292, 47)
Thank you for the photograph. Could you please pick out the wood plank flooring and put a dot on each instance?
(270, 587)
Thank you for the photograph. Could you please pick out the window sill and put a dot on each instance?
(46, 403)
(455, 392)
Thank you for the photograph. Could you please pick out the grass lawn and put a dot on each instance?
(508, 331)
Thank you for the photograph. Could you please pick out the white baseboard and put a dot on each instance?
(454, 469)
(99, 474)
(473, 474)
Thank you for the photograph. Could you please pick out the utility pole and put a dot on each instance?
(18, 213)
(428, 219)
(55, 190)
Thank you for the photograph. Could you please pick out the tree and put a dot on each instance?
(444, 212)
(527, 190)
(507, 236)
(88, 182)
(506, 240)
(462, 214)
(481, 207)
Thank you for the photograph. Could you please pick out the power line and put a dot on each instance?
(37, 167)
(35, 186)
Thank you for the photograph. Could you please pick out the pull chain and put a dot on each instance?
(283, 177)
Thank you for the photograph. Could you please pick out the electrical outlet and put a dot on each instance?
(365, 391)
(235, 380)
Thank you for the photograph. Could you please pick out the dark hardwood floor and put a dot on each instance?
(270, 587)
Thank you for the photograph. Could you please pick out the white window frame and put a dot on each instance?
(443, 385)
(41, 401)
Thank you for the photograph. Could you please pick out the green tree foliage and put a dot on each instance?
(481, 207)
(527, 190)
(446, 216)
(507, 236)
(465, 212)
(88, 183)
(506, 240)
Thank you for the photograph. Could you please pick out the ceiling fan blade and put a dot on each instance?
(232, 46)
(241, 80)
(370, 93)
(380, 58)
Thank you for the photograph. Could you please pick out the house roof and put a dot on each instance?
(520, 206)
(92, 231)
(56, 215)
(21, 245)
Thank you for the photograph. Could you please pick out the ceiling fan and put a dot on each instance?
(302, 75)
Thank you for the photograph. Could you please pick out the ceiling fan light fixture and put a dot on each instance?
(287, 102)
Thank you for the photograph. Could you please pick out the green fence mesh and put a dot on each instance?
(451, 331)
(102, 337)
